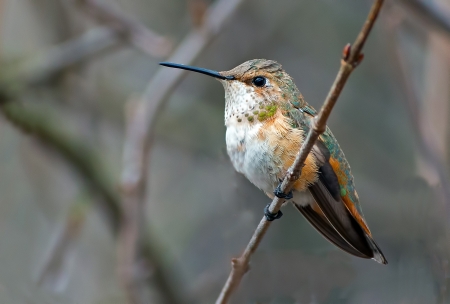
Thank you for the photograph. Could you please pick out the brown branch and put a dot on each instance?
(137, 33)
(140, 132)
(352, 56)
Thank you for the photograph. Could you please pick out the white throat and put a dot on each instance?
(240, 103)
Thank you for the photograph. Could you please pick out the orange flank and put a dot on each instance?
(286, 141)
(342, 179)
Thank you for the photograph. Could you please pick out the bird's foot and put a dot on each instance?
(272, 216)
(280, 194)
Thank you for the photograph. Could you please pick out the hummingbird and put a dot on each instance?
(267, 120)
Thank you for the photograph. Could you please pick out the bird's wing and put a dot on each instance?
(337, 161)
(337, 202)
(317, 219)
(326, 193)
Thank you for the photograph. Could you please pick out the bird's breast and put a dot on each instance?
(252, 156)
(263, 151)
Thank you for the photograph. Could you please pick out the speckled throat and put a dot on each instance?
(244, 104)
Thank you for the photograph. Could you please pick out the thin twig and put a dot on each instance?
(137, 33)
(140, 130)
(352, 56)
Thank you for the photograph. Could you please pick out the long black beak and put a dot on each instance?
(198, 70)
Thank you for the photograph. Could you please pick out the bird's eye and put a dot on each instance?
(259, 81)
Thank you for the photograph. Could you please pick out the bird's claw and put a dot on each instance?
(280, 194)
(272, 216)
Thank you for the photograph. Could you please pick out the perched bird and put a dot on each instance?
(267, 120)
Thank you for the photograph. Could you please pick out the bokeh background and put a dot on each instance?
(79, 69)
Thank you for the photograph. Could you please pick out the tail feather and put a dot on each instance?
(318, 221)
(378, 255)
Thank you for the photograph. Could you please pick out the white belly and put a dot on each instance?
(252, 157)
(256, 160)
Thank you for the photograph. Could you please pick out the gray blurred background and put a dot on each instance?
(391, 120)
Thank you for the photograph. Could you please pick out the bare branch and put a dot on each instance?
(140, 132)
(137, 33)
(352, 56)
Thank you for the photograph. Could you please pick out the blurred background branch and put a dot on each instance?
(86, 163)
(430, 129)
(142, 114)
(84, 160)
(54, 270)
(135, 32)
(429, 12)
(46, 65)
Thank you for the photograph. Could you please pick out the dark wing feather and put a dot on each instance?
(326, 193)
(339, 217)
(322, 225)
